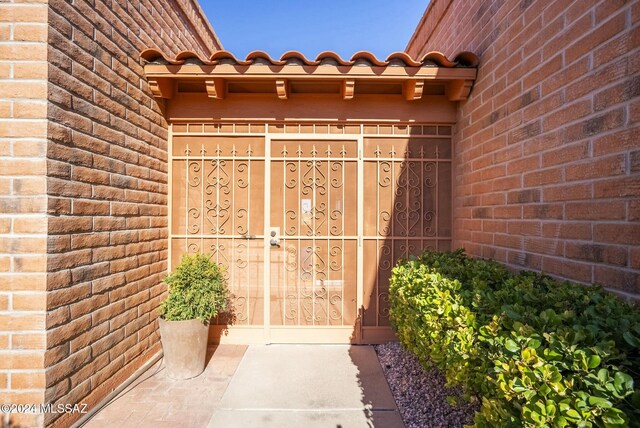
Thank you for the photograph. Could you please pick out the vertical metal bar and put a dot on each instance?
(422, 207)
(202, 191)
(249, 249)
(314, 201)
(328, 267)
(170, 194)
(360, 225)
(266, 245)
(186, 199)
(407, 165)
(217, 187)
(378, 256)
(284, 233)
(437, 183)
(232, 262)
(342, 206)
(299, 229)
(392, 220)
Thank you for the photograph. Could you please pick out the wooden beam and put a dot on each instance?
(282, 88)
(459, 89)
(216, 88)
(162, 87)
(348, 87)
(413, 89)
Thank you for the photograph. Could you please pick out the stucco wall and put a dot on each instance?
(84, 206)
(547, 159)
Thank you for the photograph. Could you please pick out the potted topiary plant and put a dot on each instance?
(197, 293)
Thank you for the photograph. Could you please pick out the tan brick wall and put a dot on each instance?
(547, 155)
(83, 182)
(23, 222)
(107, 188)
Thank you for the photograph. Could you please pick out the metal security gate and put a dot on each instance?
(308, 223)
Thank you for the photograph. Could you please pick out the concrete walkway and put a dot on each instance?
(307, 386)
(274, 386)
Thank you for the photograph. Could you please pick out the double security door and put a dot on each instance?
(307, 225)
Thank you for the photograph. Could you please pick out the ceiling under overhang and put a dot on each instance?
(222, 74)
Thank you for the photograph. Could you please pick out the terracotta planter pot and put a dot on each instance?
(185, 347)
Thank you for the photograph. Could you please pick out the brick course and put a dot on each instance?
(23, 205)
(83, 183)
(548, 140)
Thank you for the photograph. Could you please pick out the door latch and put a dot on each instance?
(274, 241)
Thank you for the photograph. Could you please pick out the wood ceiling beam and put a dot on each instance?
(162, 87)
(348, 88)
(413, 89)
(282, 88)
(458, 90)
(216, 88)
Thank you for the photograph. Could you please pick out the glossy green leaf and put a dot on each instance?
(511, 345)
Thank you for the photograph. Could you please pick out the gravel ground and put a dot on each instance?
(420, 393)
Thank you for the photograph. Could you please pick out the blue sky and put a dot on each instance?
(313, 26)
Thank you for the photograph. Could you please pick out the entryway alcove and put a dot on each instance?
(308, 180)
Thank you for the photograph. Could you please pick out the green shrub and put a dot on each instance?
(197, 290)
(536, 352)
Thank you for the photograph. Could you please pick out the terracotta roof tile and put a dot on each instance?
(463, 59)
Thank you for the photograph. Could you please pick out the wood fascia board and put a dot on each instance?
(298, 72)
(162, 87)
(215, 88)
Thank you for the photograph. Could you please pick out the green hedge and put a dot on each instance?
(536, 352)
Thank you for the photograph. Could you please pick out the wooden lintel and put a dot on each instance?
(348, 87)
(162, 87)
(413, 89)
(215, 88)
(282, 88)
(459, 89)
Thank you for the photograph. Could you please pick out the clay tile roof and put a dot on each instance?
(463, 59)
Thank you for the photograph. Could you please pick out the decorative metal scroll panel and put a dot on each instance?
(314, 205)
(218, 202)
(218, 209)
(408, 182)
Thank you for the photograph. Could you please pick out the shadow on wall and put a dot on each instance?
(409, 182)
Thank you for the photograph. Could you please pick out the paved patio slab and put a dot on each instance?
(307, 385)
(155, 400)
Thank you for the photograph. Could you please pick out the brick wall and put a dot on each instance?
(23, 222)
(92, 221)
(547, 153)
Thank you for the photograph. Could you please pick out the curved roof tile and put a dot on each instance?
(463, 59)
(298, 56)
(468, 59)
(404, 57)
(253, 55)
(369, 57)
(438, 58)
(332, 55)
